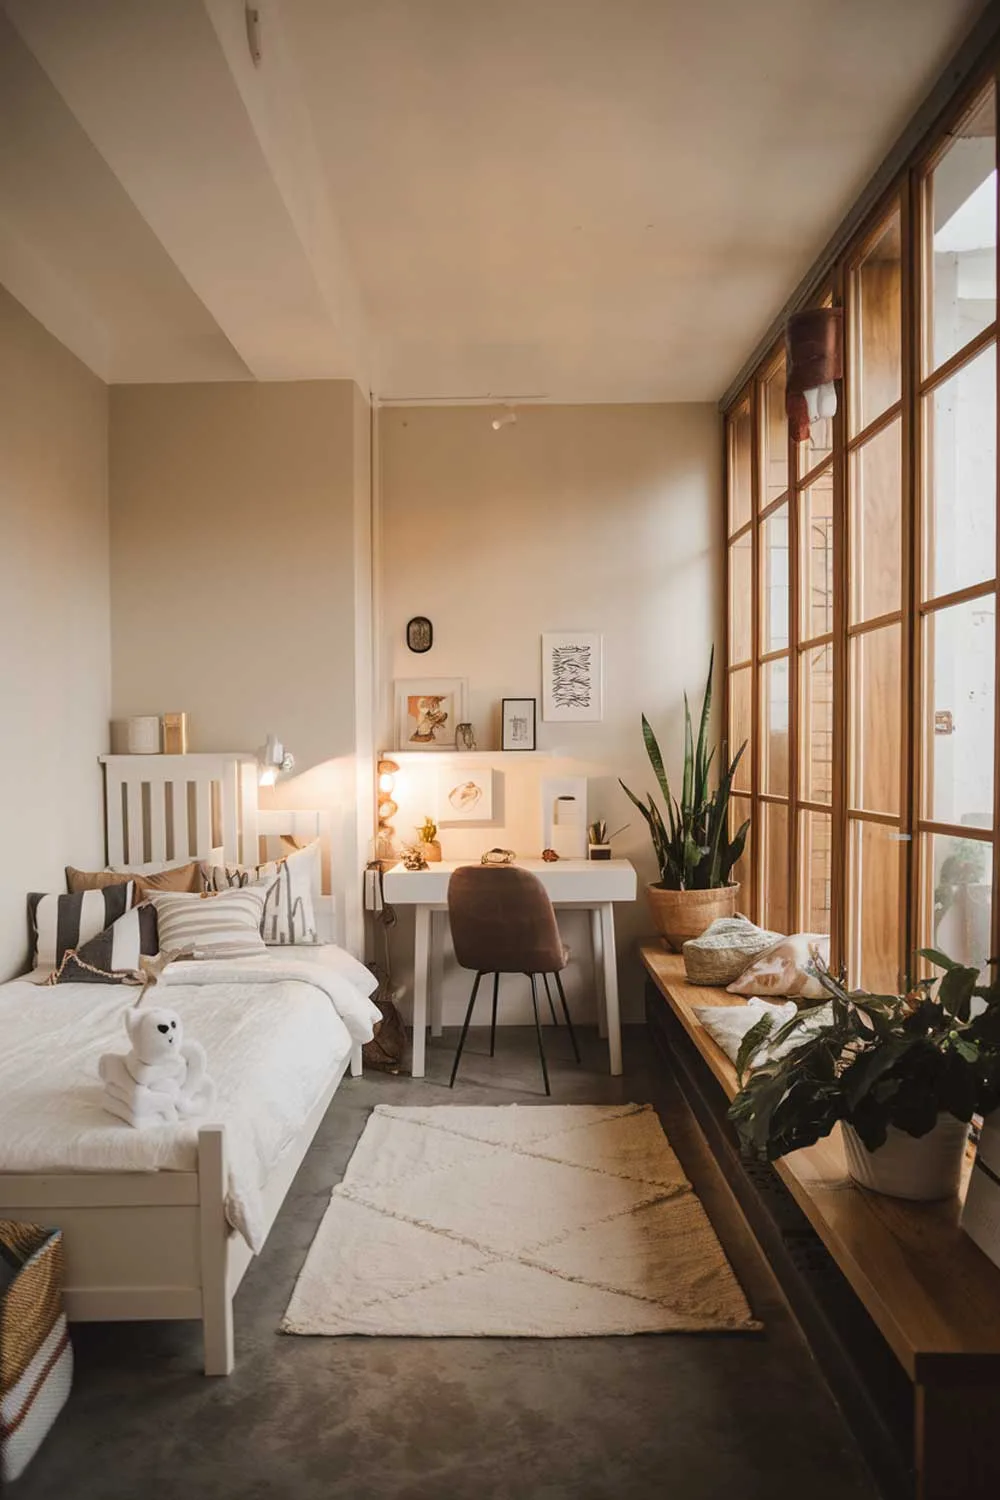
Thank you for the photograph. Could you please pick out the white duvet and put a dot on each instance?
(276, 1031)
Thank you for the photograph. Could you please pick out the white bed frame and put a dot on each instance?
(156, 1245)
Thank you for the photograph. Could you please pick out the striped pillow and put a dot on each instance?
(289, 917)
(207, 926)
(113, 956)
(60, 922)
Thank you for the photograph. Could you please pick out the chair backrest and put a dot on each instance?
(502, 921)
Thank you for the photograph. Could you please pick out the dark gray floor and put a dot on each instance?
(680, 1416)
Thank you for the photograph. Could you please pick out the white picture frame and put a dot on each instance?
(429, 726)
(572, 676)
(465, 793)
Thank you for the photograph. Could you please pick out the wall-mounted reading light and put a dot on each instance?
(273, 759)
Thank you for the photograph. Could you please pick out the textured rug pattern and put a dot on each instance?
(554, 1221)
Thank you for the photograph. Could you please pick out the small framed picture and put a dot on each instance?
(517, 724)
(428, 709)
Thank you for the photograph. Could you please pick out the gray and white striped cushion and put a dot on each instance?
(207, 926)
(59, 922)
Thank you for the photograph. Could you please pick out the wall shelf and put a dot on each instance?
(419, 757)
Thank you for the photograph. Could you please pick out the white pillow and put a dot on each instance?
(786, 968)
(226, 925)
(289, 917)
(727, 1025)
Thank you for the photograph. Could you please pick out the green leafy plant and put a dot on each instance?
(692, 845)
(427, 831)
(871, 1061)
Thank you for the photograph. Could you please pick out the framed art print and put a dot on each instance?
(428, 709)
(517, 724)
(572, 676)
(465, 795)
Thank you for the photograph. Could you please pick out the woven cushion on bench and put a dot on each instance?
(724, 950)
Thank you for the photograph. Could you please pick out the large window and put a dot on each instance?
(862, 585)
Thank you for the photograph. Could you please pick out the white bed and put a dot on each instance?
(162, 1223)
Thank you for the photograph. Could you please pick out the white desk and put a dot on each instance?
(591, 885)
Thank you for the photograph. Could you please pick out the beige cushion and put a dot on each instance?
(786, 968)
(724, 949)
(176, 878)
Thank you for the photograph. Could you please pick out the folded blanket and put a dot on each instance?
(358, 1014)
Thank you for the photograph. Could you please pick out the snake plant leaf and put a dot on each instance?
(655, 758)
(701, 755)
(687, 788)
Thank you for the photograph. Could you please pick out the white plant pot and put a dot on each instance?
(917, 1167)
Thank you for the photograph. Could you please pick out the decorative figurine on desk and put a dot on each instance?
(412, 858)
(429, 846)
(498, 857)
(550, 856)
(465, 737)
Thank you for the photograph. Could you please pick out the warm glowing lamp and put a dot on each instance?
(387, 808)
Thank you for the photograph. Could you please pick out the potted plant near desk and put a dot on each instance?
(903, 1074)
(694, 852)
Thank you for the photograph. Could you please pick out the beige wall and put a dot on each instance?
(604, 518)
(235, 513)
(54, 641)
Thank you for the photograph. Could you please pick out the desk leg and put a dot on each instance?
(952, 1454)
(438, 921)
(597, 944)
(611, 988)
(421, 963)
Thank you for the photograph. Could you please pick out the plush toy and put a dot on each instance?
(161, 1078)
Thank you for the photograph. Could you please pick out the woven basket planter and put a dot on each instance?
(36, 1359)
(679, 916)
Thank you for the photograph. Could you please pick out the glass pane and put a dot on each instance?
(876, 364)
(959, 649)
(873, 907)
(739, 811)
(740, 599)
(817, 447)
(958, 897)
(775, 445)
(776, 913)
(816, 718)
(962, 192)
(815, 870)
(875, 720)
(775, 590)
(876, 525)
(816, 527)
(740, 684)
(774, 726)
(740, 429)
(960, 437)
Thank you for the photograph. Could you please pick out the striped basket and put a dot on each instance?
(36, 1358)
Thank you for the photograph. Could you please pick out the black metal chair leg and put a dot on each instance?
(552, 1008)
(538, 1032)
(562, 996)
(465, 1029)
(493, 1022)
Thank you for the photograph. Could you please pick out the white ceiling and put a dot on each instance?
(577, 200)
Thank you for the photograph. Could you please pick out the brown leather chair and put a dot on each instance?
(502, 922)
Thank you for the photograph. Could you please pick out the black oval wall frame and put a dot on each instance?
(419, 634)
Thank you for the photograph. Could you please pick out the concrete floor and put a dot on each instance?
(690, 1417)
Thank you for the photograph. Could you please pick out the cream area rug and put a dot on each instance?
(537, 1222)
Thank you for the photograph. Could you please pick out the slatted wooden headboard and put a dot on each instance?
(162, 809)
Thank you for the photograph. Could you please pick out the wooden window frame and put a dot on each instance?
(908, 194)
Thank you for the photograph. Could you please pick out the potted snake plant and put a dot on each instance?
(902, 1074)
(694, 853)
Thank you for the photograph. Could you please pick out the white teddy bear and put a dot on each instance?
(162, 1078)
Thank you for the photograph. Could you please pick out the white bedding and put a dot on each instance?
(274, 1038)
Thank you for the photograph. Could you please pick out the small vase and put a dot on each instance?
(921, 1168)
(431, 851)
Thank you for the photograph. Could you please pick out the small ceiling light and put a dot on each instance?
(507, 420)
(273, 759)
